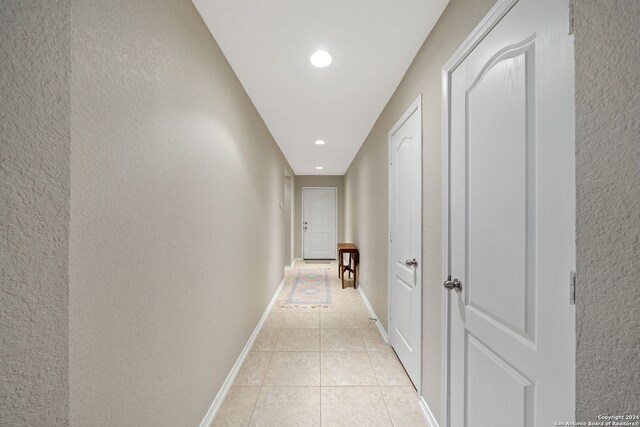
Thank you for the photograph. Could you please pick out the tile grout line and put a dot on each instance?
(352, 312)
(370, 363)
(254, 406)
(320, 364)
(387, 408)
(268, 366)
(384, 401)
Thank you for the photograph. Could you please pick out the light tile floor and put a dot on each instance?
(321, 366)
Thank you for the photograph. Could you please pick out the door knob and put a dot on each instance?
(411, 262)
(453, 284)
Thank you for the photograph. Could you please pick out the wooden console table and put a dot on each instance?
(354, 259)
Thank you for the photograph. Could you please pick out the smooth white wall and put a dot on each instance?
(177, 235)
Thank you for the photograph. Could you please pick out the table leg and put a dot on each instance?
(356, 261)
(355, 273)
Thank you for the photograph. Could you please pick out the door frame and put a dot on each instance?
(335, 190)
(288, 182)
(497, 12)
(416, 105)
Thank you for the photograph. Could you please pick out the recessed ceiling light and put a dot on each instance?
(319, 167)
(320, 142)
(321, 59)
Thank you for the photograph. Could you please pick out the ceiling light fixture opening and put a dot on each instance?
(319, 167)
(321, 59)
(320, 142)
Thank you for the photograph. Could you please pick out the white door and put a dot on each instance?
(512, 216)
(405, 201)
(319, 228)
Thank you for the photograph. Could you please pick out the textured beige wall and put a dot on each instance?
(607, 52)
(366, 184)
(34, 212)
(176, 242)
(316, 181)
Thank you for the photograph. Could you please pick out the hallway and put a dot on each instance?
(164, 162)
(321, 366)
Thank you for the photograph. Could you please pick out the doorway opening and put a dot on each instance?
(509, 220)
(405, 240)
(319, 222)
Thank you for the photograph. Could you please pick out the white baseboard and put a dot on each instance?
(217, 402)
(424, 408)
(426, 413)
(294, 261)
(373, 314)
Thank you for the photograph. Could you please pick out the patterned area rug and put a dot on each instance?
(310, 288)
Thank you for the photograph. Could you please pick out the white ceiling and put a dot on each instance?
(268, 44)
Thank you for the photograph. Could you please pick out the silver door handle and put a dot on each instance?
(411, 262)
(453, 284)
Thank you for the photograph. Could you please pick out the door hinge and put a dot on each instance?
(571, 19)
(390, 238)
(572, 288)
